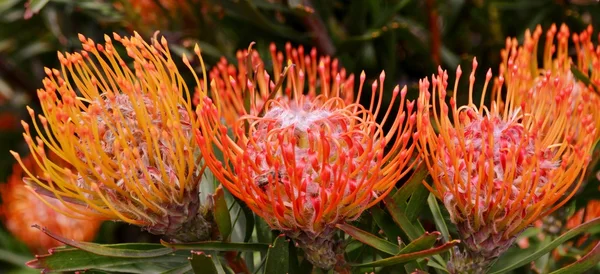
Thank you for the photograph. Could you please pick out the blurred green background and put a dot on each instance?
(406, 38)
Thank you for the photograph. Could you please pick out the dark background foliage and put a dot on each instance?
(406, 38)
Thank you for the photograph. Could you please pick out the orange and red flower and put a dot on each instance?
(499, 169)
(304, 155)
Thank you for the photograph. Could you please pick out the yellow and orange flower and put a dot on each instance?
(21, 208)
(128, 135)
(304, 154)
(499, 169)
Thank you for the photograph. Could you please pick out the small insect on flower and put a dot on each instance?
(21, 208)
(499, 169)
(127, 134)
(305, 155)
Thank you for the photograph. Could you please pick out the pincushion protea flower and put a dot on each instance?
(21, 208)
(306, 161)
(230, 80)
(127, 135)
(520, 66)
(500, 169)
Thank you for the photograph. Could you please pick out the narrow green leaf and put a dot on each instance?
(403, 258)
(186, 268)
(413, 229)
(249, 215)
(426, 241)
(586, 262)
(7, 4)
(221, 214)
(202, 263)
(110, 250)
(294, 262)
(412, 184)
(580, 76)
(370, 239)
(417, 202)
(36, 5)
(438, 218)
(72, 259)
(217, 246)
(590, 227)
(13, 258)
(263, 231)
(278, 256)
(386, 223)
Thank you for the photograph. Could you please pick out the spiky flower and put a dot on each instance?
(128, 135)
(21, 208)
(309, 158)
(522, 72)
(499, 169)
(230, 81)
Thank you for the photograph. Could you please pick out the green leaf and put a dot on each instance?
(13, 258)
(580, 76)
(36, 5)
(186, 268)
(438, 218)
(426, 241)
(221, 214)
(586, 262)
(413, 229)
(278, 256)
(417, 202)
(397, 206)
(122, 251)
(385, 223)
(590, 227)
(412, 184)
(202, 263)
(370, 239)
(263, 231)
(403, 258)
(71, 259)
(217, 246)
(7, 4)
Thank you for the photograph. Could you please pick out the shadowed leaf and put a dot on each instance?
(278, 256)
(370, 239)
(217, 246)
(403, 258)
(585, 227)
(142, 250)
(202, 263)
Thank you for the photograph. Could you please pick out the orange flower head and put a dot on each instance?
(231, 81)
(21, 209)
(500, 169)
(520, 66)
(126, 133)
(306, 161)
